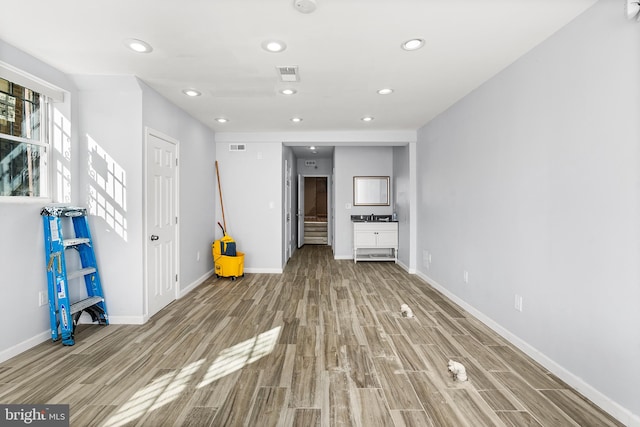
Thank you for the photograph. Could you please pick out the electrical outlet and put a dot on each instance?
(42, 300)
(465, 276)
(198, 256)
(425, 258)
(518, 302)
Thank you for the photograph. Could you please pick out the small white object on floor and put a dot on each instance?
(406, 311)
(458, 371)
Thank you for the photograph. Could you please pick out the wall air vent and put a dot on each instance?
(288, 73)
(237, 147)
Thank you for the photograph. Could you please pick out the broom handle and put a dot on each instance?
(221, 204)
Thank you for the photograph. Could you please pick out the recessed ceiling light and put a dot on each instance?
(296, 119)
(138, 45)
(367, 119)
(413, 44)
(312, 148)
(385, 91)
(288, 91)
(221, 120)
(191, 92)
(274, 46)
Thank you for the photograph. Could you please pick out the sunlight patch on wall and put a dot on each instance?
(107, 188)
(61, 140)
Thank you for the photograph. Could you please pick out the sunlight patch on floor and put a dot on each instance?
(168, 387)
(240, 355)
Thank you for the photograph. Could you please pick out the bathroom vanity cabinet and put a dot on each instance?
(375, 241)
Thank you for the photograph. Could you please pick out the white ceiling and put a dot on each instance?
(346, 50)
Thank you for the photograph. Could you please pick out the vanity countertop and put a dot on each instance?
(372, 218)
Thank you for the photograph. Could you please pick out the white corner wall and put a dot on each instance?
(531, 185)
(114, 114)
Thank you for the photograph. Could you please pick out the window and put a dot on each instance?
(23, 141)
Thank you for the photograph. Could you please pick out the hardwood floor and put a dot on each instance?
(323, 344)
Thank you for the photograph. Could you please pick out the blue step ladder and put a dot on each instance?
(64, 314)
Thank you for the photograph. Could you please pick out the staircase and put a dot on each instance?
(315, 233)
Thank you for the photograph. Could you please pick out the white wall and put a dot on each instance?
(110, 119)
(22, 257)
(350, 162)
(255, 182)
(115, 111)
(322, 166)
(252, 190)
(106, 114)
(531, 184)
(197, 182)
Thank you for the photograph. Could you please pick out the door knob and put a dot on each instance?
(154, 237)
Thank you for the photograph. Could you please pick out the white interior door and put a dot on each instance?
(330, 210)
(300, 214)
(287, 211)
(161, 221)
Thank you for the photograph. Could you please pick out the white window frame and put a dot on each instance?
(43, 141)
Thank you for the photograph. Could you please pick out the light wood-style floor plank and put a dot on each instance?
(323, 344)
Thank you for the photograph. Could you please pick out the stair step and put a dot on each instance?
(315, 240)
(81, 272)
(75, 242)
(85, 303)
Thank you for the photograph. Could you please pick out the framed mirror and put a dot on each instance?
(371, 191)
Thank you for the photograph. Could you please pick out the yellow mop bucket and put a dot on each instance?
(228, 261)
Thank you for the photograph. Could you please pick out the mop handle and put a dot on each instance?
(221, 204)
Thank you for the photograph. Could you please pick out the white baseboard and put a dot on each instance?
(405, 267)
(127, 320)
(184, 291)
(46, 335)
(24, 345)
(614, 409)
(264, 270)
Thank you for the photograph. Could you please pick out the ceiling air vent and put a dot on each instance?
(237, 147)
(288, 73)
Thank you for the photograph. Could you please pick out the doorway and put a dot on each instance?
(315, 208)
(161, 228)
